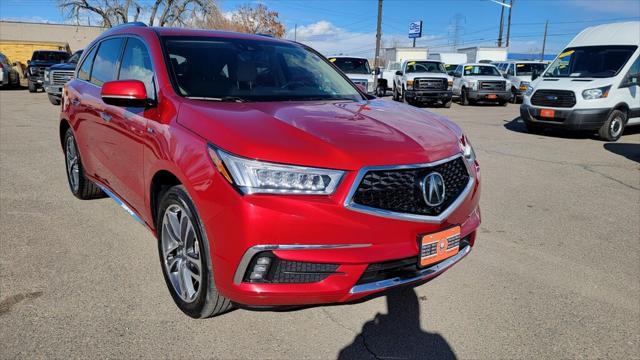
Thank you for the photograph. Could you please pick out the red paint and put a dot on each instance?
(126, 152)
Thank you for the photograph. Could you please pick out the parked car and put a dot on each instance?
(591, 85)
(266, 176)
(59, 74)
(41, 60)
(422, 81)
(480, 82)
(8, 75)
(519, 74)
(357, 69)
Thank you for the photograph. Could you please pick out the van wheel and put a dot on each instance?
(80, 186)
(185, 258)
(613, 128)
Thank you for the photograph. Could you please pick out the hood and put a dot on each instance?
(63, 66)
(525, 78)
(367, 77)
(337, 135)
(485, 78)
(411, 76)
(45, 64)
(575, 84)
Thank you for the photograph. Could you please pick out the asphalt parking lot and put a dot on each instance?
(555, 271)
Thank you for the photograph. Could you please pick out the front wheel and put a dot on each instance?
(395, 94)
(613, 128)
(447, 104)
(381, 90)
(464, 98)
(54, 99)
(32, 87)
(185, 257)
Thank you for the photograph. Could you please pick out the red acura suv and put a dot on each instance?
(267, 176)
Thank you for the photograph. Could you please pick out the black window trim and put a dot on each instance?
(118, 59)
(84, 58)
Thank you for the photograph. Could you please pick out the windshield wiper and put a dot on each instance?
(221, 99)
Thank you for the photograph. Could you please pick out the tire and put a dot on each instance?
(464, 98)
(395, 94)
(32, 87)
(613, 128)
(187, 253)
(381, 91)
(533, 128)
(503, 102)
(447, 104)
(403, 96)
(80, 186)
(54, 99)
(514, 97)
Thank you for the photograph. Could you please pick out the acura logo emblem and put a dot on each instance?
(433, 189)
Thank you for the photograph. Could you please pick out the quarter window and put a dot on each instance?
(136, 65)
(106, 62)
(85, 69)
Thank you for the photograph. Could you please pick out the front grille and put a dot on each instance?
(403, 268)
(61, 77)
(554, 98)
(291, 272)
(492, 85)
(399, 190)
(430, 84)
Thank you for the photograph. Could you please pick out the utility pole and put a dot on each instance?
(501, 24)
(376, 62)
(509, 22)
(544, 40)
(456, 31)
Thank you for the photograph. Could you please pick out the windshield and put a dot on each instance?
(484, 70)
(352, 65)
(527, 69)
(450, 67)
(75, 57)
(251, 70)
(50, 56)
(590, 62)
(425, 66)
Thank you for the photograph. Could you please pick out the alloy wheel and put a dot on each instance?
(616, 126)
(181, 253)
(73, 168)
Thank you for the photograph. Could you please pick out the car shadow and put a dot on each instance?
(398, 333)
(517, 125)
(630, 151)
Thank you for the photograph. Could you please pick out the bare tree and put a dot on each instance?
(114, 12)
(258, 20)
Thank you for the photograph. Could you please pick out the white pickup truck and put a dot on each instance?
(357, 69)
(422, 81)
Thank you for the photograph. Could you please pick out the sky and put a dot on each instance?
(348, 27)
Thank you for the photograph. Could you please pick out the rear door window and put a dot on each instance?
(106, 61)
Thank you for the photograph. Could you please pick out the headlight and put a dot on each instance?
(597, 93)
(524, 86)
(473, 84)
(529, 90)
(252, 176)
(467, 150)
(409, 84)
(449, 84)
(46, 75)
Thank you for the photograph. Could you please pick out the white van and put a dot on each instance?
(591, 85)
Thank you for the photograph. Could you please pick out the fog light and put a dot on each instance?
(260, 269)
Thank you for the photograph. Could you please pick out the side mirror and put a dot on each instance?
(632, 80)
(399, 73)
(457, 74)
(125, 93)
(451, 73)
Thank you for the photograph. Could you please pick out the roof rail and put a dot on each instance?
(134, 23)
(267, 35)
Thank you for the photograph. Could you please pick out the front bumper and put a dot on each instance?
(571, 119)
(53, 89)
(316, 229)
(487, 95)
(429, 95)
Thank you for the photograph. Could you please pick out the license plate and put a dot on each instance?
(492, 96)
(548, 113)
(438, 246)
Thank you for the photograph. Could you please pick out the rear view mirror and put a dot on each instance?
(125, 93)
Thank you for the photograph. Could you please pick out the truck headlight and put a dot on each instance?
(253, 176)
(409, 84)
(523, 86)
(529, 90)
(46, 75)
(449, 84)
(473, 84)
(597, 93)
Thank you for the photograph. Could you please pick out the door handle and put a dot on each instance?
(75, 101)
(105, 116)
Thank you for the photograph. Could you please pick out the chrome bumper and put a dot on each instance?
(424, 274)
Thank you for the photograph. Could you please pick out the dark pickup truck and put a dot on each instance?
(40, 61)
(59, 74)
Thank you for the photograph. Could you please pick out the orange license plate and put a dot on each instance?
(547, 113)
(492, 96)
(438, 246)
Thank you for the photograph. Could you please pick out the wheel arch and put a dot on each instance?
(161, 181)
(64, 126)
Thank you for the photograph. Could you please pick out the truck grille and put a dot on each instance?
(430, 84)
(400, 190)
(61, 77)
(554, 98)
(492, 85)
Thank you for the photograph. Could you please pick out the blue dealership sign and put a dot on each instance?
(415, 29)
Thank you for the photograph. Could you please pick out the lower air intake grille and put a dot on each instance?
(290, 272)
